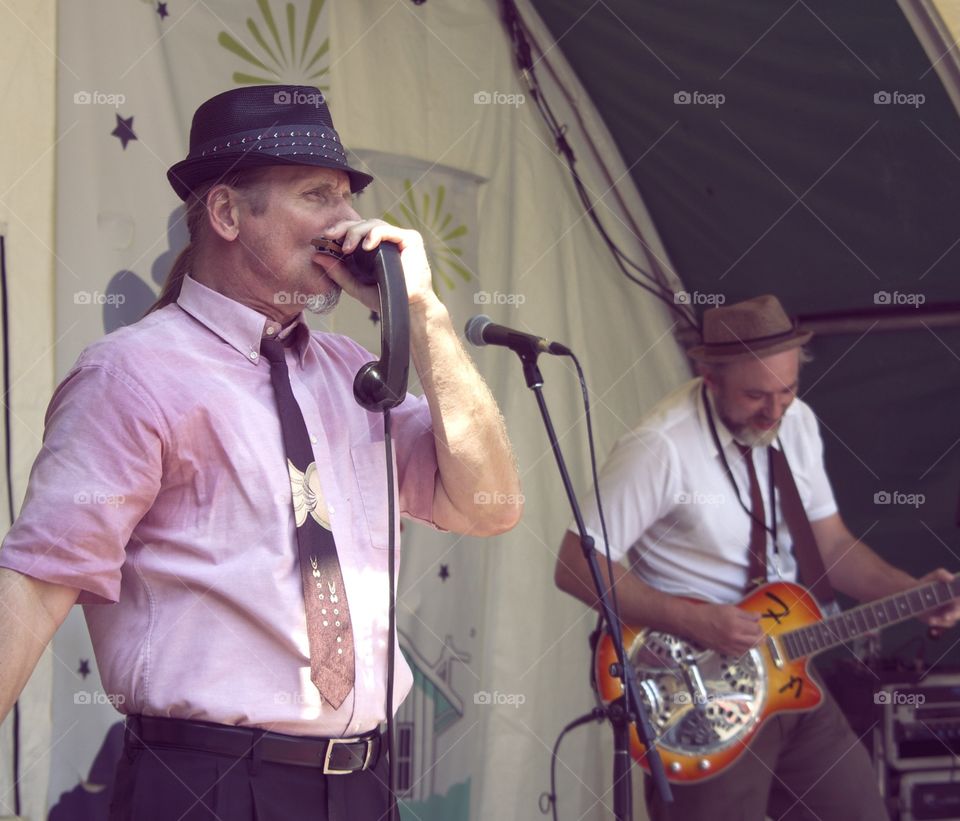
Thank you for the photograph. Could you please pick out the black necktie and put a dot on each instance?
(328, 616)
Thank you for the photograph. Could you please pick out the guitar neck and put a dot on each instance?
(868, 618)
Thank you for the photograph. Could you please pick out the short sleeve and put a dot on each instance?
(638, 485)
(97, 473)
(817, 493)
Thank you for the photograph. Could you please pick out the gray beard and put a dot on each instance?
(746, 435)
(757, 438)
(321, 304)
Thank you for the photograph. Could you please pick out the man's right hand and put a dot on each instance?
(724, 628)
(721, 627)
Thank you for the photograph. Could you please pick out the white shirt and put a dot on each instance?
(669, 503)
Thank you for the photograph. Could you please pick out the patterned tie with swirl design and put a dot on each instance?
(328, 615)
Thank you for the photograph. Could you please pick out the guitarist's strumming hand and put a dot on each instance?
(948, 615)
(724, 628)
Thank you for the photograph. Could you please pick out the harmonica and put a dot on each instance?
(332, 247)
(360, 263)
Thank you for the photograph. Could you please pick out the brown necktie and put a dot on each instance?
(811, 571)
(757, 569)
(328, 616)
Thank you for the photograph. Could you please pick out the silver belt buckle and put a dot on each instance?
(327, 770)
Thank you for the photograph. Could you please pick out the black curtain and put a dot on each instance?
(828, 173)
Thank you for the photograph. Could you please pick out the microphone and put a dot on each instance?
(481, 330)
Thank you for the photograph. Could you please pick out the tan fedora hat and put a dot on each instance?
(756, 327)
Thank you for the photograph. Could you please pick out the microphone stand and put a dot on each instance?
(624, 712)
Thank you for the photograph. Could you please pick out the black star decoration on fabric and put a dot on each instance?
(124, 130)
(162, 10)
(84, 670)
(444, 573)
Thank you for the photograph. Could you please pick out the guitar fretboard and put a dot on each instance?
(867, 618)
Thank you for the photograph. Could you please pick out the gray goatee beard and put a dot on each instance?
(746, 435)
(753, 438)
(323, 303)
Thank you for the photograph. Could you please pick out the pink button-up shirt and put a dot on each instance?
(162, 493)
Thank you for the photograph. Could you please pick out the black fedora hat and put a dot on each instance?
(254, 126)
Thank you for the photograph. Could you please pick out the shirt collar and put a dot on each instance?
(238, 325)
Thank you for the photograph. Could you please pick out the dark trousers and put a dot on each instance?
(165, 784)
(800, 766)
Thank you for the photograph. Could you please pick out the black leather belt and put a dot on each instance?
(336, 756)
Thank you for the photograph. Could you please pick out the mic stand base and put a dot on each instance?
(622, 762)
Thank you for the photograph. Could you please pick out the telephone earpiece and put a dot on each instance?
(382, 384)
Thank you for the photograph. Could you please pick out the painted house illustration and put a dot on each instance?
(430, 710)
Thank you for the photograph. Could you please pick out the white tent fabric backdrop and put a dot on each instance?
(28, 67)
(428, 97)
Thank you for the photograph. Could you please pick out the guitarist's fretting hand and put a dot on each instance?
(724, 628)
(946, 616)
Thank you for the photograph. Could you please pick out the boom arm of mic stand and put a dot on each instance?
(628, 674)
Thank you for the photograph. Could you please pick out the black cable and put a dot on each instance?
(6, 374)
(392, 615)
(596, 482)
(548, 801)
(8, 467)
(519, 34)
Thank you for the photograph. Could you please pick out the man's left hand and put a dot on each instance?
(947, 616)
(369, 234)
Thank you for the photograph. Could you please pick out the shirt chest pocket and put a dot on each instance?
(370, 467)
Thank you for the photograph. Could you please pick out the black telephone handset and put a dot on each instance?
(381, 384)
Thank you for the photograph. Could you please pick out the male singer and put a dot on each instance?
(214, 496)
